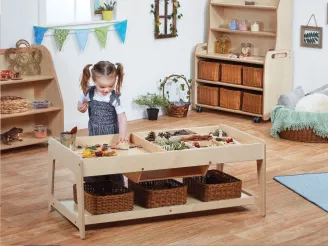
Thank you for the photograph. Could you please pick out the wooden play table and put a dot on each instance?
(152, 162)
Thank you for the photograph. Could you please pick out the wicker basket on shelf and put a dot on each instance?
(214, 186)
(209, 71)
(208, 95)
(307, 136)
(106, 197)
(159, 193)
(13, 104)
(253, 77)
(231, 73)
(230, 99)
(252, 103)
(177, 110)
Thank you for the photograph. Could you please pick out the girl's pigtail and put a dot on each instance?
(120, 75)
(85, 78)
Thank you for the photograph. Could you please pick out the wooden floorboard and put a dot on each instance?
(290, 220)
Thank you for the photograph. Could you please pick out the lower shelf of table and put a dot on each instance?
(193, 205)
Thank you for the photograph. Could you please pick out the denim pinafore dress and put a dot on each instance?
(103, 121)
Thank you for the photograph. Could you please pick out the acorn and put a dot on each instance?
(99, 154)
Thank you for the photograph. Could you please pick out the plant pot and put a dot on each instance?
(152, 113)
(107, 15)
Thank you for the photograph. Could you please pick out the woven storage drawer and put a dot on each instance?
(159, 193)
(106, 197)
(209, 70)
(208, 95)
(252, 103)
(231, 73)
(214, 186)
(13, 104)
(253, 77)
(230, 98)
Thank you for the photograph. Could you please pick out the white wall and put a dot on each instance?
(310, 65)
(147, 60)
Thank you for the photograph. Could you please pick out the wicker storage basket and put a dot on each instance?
(253, 76)
(13, 104)
(230, 99)
(231, 73)
(252, 103)
(159, 193)
(209, 71)
(307, 136)
(208, 95)
(106, 197)
(177, 110)
(214, 186)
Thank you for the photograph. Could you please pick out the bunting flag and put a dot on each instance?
(101, 33)
(61, 35)
(82, 38)
(121, 29)
(39, 33)
(82, 34)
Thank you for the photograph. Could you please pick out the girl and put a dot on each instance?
(106, 113)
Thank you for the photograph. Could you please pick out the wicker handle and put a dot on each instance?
(178, 76)
(22, 42)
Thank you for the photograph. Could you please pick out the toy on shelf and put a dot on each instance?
(223, 45)
(11, 135)
(255, 26)
(40, 131)
(233, 24)
(41, 103)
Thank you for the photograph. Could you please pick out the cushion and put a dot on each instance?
(316, 102)
(323, 90)
(290, 100)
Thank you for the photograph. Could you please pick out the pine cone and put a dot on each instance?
(151, 136)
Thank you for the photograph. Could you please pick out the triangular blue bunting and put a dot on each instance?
(121, 29)
(82, 38)
(39, 33)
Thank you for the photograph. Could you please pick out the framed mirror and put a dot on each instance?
(165, 13)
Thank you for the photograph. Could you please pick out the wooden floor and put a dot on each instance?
(290, 220)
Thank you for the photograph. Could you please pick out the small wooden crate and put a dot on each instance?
(208, 95)
(253, 76)
(231, 73)
(159, 193)
(252, 103)
(106, 197)
(230, 99)
(214, 186)
(209, 71)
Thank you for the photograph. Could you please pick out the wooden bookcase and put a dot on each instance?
(271, 47)
(44, 86)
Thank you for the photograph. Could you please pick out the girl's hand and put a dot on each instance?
(123, 139)
(82, 107)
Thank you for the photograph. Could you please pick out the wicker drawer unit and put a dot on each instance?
(214, 186)
(106, 197)
(231, 73)
(208, 95)
(209, 71)
(159, 193)
(252, 103)
(230, 98)
(253, 77)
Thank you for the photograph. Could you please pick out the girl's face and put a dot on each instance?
(104, 84)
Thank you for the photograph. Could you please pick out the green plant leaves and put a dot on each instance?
(311, 37)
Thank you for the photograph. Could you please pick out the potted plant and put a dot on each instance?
(153, 102)
(107, 10)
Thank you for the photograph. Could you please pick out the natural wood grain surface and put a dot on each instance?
(290, 220)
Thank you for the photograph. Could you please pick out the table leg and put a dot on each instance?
(261, 174)
(80, 201)
(51, 182)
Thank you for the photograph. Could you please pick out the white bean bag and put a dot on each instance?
(316, 102)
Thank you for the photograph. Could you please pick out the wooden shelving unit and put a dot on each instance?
(271, 47)
(44, 86)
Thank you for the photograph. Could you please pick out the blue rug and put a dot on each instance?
(313, 187)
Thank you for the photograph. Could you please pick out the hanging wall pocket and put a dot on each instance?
(311, 36)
